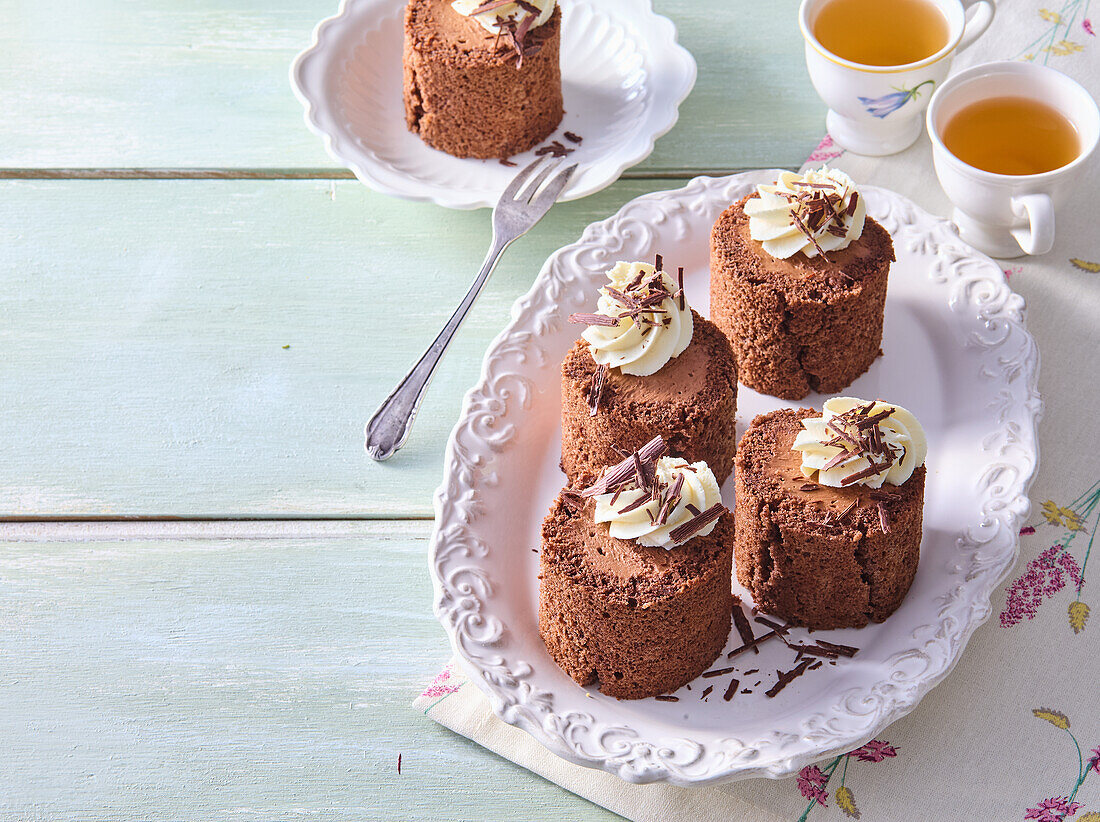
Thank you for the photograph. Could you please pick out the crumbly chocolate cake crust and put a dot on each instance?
(639, 620)
(691, 402)
(800, 324)
(819, 575)
(464, 92)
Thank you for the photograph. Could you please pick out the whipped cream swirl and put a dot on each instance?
(495, 13)
(652, 322)
(815, 213)
(651, 515)
(852, 438)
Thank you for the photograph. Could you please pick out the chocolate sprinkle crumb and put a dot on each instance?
(706, 691)
(504, 161)
(554, 149)
(666, 698)
(809, 486)
(399, 764)
(573, 138)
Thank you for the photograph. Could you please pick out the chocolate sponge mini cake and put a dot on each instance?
(647, 364)
(635, 575)
(829, 511)
(798, 283)
(481, 77)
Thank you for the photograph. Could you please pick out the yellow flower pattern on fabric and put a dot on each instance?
(1078, 616)
(1085, 265)
(1055, 718)
(1064, 48)
(1052, 512)
(846, 801)
(1050, 16)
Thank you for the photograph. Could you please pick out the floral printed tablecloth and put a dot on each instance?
(1014, 732)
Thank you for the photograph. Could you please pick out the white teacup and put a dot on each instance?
(876, 110)
(1006, 215)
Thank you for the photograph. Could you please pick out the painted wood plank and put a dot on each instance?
(117, 83)
(246, 679)
(213, 349)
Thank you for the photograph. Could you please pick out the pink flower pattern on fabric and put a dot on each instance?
(811, 782)
(826, 150)
(1044, 576)
(1054, 809)
(874, 751)
(446, 682)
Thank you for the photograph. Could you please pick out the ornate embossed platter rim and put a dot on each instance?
(479, 565)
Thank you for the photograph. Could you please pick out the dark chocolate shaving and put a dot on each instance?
(753, 644)
(595, 390)
(666, 698)
(504, 161)
(680, 286)
(706, 691)
(731, 690)
(573, 138)
(809, 486)
(697, 523)
(594, 319)
(843, 650)
(744, 629)
(623, 473)
(717, 672)
(871, 470)
(883, 520)
(787, 677)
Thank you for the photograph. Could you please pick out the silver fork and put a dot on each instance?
(522, 204)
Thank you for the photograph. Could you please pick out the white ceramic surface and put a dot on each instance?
(876, 110)
(1000, 214)
(956, 353)
(623, 79)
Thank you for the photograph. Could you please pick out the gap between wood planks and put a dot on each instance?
(284, 174)
(103, 530)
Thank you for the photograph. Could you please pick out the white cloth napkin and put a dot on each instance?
(991, 742)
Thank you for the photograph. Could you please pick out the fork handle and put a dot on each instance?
(388, 429)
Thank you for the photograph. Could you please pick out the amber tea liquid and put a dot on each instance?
(881, 32)
(1012, 135)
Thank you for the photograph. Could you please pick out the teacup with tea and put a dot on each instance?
(1006, 141)
(876, 63)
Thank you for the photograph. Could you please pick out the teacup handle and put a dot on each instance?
(976, 23)
(1038, 236)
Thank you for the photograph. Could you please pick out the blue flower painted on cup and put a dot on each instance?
(886, 105)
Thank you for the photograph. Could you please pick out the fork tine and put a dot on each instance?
(529, 190)
(553, 190)
(520, 178)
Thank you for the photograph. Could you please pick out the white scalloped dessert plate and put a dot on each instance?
(956, 353)
(623, 79)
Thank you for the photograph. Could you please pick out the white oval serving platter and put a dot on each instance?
(623, 79)
(956, 353)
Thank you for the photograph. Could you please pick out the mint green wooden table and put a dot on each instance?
(213, 604)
